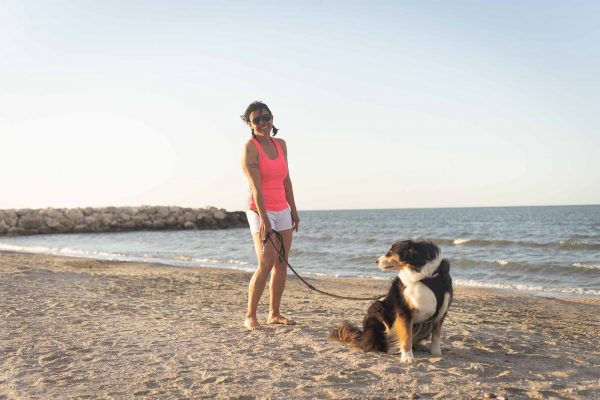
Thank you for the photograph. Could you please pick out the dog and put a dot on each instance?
(413, 309)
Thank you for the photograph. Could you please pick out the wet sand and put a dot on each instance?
(80, 328)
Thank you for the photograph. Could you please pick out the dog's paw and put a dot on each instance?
(407, 357)
(436, 352)
(420, 347)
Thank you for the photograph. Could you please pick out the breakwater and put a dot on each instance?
(116, 219)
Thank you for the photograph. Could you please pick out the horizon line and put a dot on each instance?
(452, 207)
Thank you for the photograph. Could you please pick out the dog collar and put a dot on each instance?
(428, 270)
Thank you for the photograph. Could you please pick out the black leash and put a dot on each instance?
(281, 253)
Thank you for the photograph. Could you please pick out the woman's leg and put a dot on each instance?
(278, 278)
(259, 280)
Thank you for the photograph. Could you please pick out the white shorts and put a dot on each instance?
(280, 220)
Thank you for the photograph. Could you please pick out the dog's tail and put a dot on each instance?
(347, 333)
(371, 339)
(444, 271)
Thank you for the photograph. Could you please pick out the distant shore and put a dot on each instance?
(74, 327)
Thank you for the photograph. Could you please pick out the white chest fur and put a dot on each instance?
(422, 299)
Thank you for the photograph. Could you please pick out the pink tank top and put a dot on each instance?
(272, 175)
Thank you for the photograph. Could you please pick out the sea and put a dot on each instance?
(547, 251)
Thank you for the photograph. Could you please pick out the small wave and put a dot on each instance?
(458, 242)
(318, 238)
(529, 288)
(238, 262)
(560, 271)
(586, 266)
(309, 253)
(563, 244)
(204, 261)
(102, 255)
(64, 251)
(374, 277)
(28, 249)
(90, 253)
(192, 259)
(489, 264)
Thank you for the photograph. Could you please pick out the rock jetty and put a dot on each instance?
(116, 219)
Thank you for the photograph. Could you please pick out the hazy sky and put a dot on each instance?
(383, 104)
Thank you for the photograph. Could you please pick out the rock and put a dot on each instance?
(107, 218)
(140, 220)
(123, 216)
(52, 223)
(81, 228)
(163, 212)
(489, 395)
(158, 224)
(133, 210)
(200, 215)
(189, 225)
(66, 224)
(51, 213)
(75, 215)
(88, 211)
(113, 219)
(10, 217)
(16, 231)
(128, 226)
(171, 222)
(220, 214)
(32, 221)
(3, 227)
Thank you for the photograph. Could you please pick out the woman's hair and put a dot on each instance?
(255, 106)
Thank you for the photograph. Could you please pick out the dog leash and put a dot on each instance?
(281, 253)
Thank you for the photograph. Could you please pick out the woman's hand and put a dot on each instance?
(265, 228)
(295, 220)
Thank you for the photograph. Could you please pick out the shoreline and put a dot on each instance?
(568, 296)
(76, 326)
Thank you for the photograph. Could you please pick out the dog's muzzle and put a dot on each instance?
(382, 263)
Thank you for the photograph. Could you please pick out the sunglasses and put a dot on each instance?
(265, 118)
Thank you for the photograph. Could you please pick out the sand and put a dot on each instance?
(79, 328)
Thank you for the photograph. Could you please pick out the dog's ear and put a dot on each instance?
(419, 253)
(408, 253)
(400, 248)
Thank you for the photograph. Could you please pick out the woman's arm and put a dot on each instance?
(289, 190)
(250, 167)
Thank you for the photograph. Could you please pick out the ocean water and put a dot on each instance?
(542, 250)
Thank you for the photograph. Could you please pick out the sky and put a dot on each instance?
(382, 104)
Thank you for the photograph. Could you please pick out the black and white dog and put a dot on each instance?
(414, 308)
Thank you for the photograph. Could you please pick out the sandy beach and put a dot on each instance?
(80, 328)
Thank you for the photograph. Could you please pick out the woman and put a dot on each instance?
(271, 206)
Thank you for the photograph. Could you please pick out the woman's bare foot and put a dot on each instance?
(251, 323)
(280, 319)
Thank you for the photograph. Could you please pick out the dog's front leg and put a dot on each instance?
(403, 331)
(436, 350)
